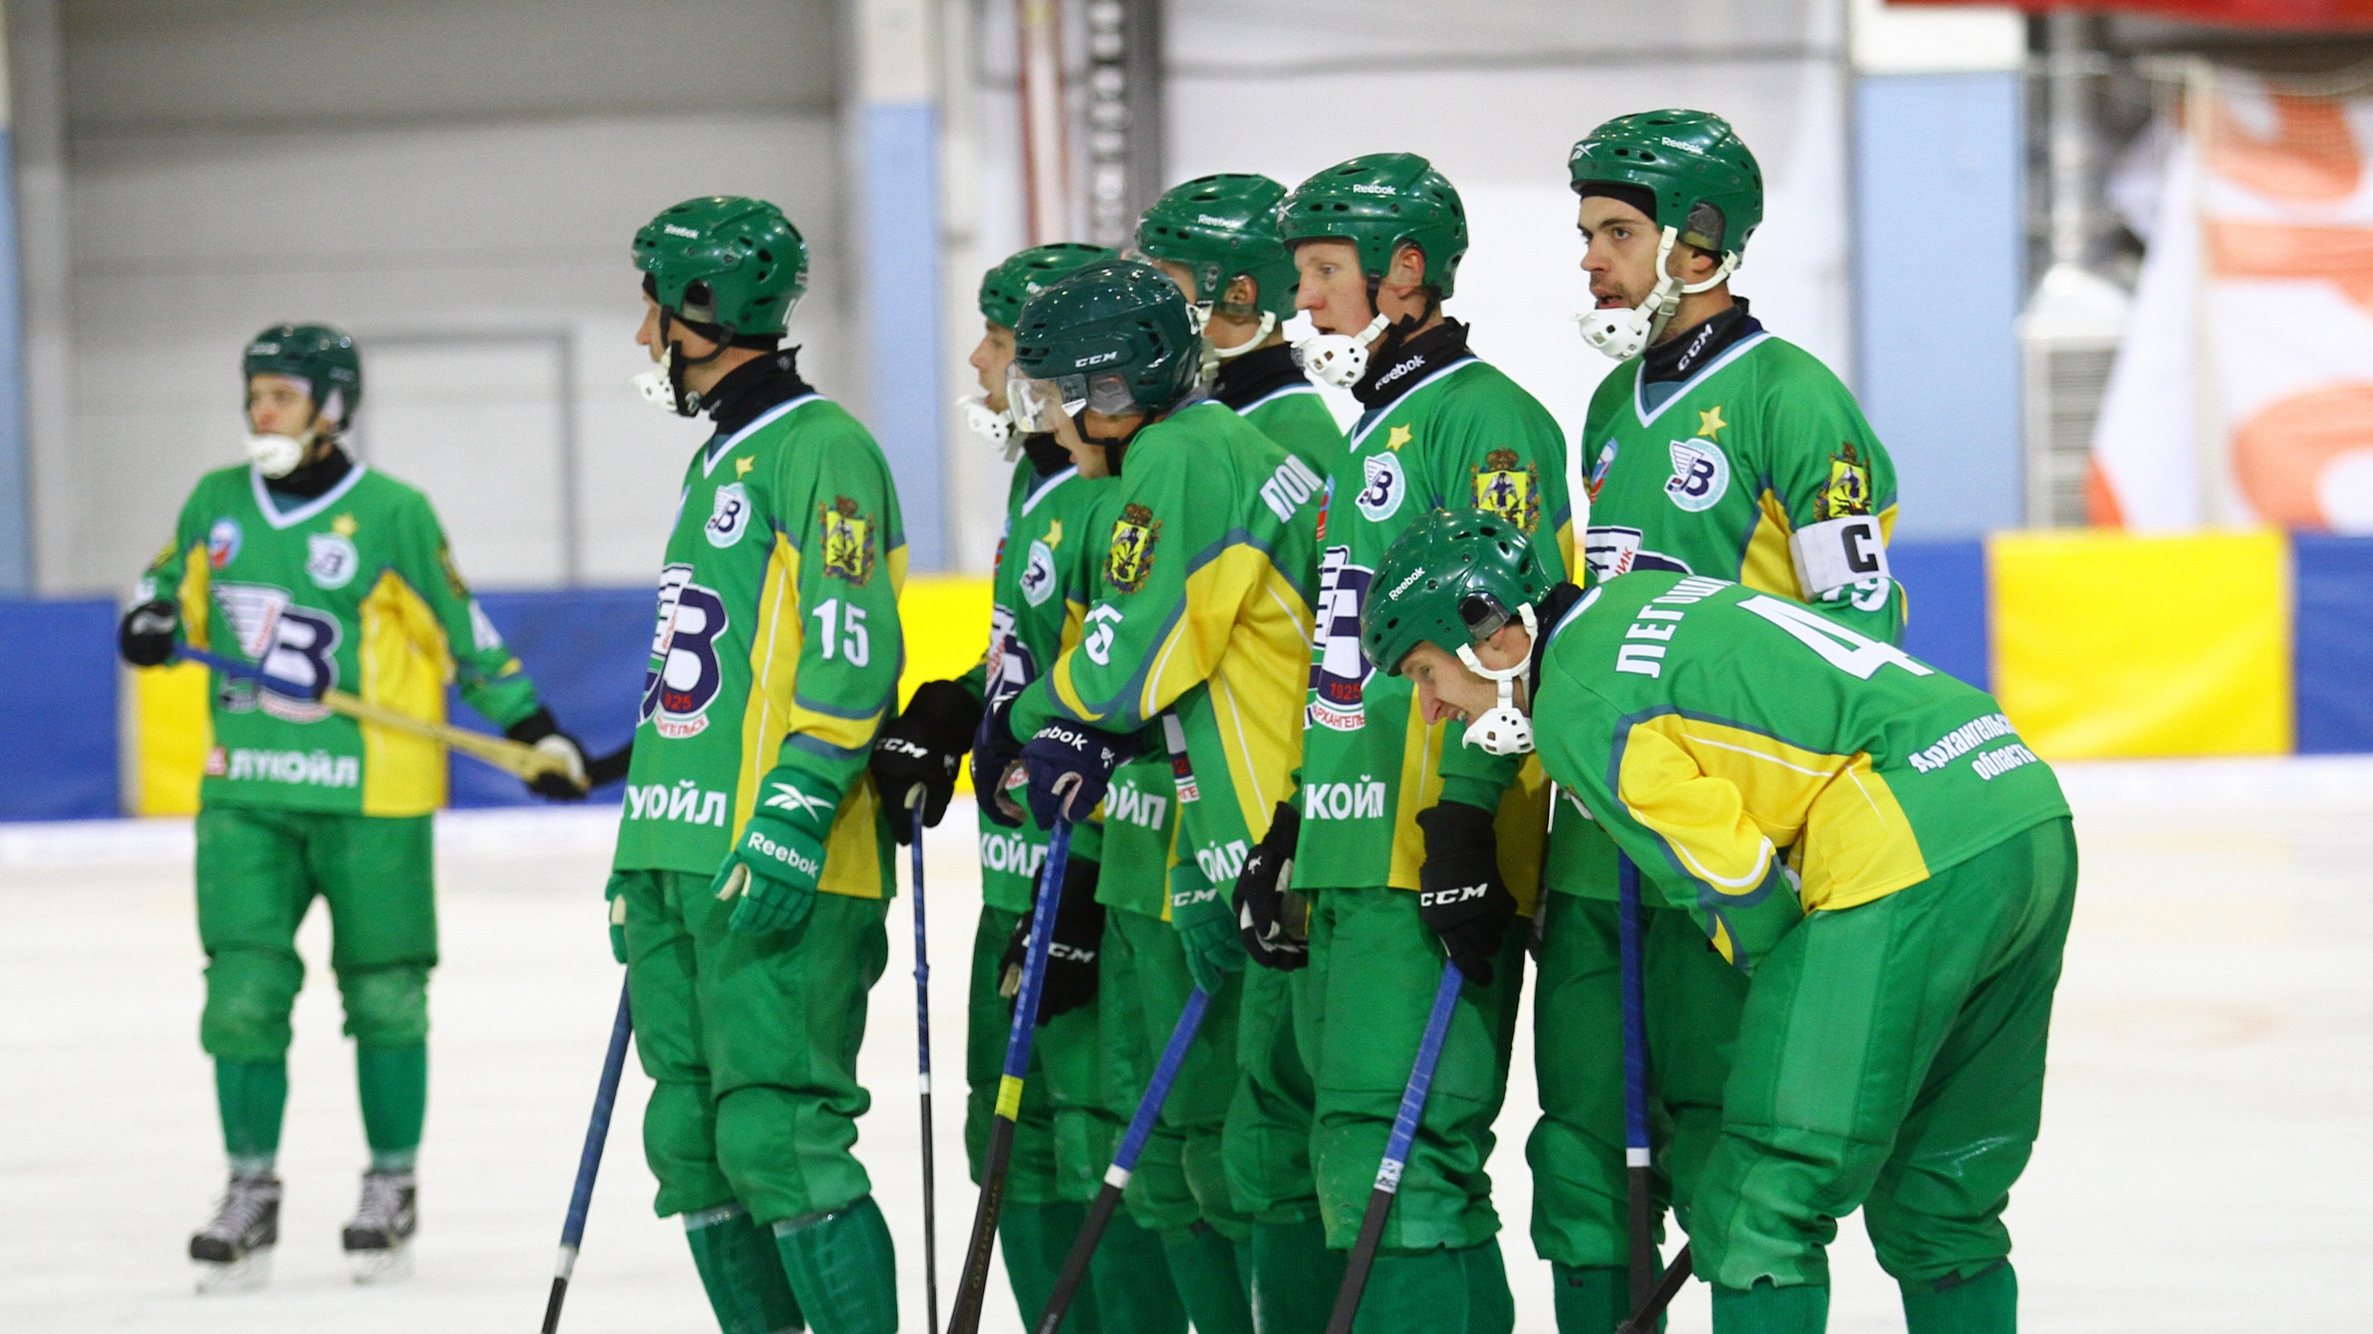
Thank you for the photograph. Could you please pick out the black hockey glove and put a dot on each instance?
(1070, 765)
(1274, 925)
(1070, 980)
(542, 731)
(917, 754)
(146, 636)
(1460, 894)
(994, 755)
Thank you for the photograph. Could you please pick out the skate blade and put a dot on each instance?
(245, 1274)
(391, 1265)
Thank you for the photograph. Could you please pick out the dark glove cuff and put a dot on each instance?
(944, 715)
(1455, 826)
(534, 727)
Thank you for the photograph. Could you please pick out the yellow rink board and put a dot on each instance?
(945, 617)
(2113, 644)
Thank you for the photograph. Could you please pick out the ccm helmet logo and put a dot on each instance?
(1403, 586)
(686, 232)
(767, 846)
(1096, 359)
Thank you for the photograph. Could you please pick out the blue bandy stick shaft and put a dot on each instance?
(923, 1082)
(597, 1133)
(973, 1285)
(1396, 1153)
(1636, 1156)
(246, 671)
(1124, 1162)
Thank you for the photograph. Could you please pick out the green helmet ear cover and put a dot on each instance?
(323, 357)
(1708, 187)
(1117, 319)
(726, 262)
(1380, 203)
(1026, 273)
(1222, 228)
(1451, 580)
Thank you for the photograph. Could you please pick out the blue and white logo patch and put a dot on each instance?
(1701, 475)
(330, 560)
(729, 515)
(1383, 487)
(1038, 575)
(222, 542)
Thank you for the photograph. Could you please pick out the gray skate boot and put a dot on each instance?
(379, 1240)
(234, 1252)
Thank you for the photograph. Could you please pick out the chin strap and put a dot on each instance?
(662, 386)
(994, 427)
(1503, 729)
(1214, 355)
(1340, 359)
(1624, 332)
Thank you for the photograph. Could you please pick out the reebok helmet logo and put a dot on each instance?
(1210, 221)
(686, 232)
(1365, 189)
(1403, 586)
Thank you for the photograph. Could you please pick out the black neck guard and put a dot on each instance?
(1046, 454)
(1246, 380)
(1398, 365)
(749, 389)
(1550, 610)
(314, 479)
(1685, 354)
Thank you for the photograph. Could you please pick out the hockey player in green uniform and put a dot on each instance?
(325, 573)
(1862, 836)
(1197, 632)
(1067, 1130)
(1216, 236)
(1395, 821)
(754, 864)
(1722, 450)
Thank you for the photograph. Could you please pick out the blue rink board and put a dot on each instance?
(58, 733)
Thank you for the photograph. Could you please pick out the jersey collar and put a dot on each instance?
(717, 452)
(1040, 491)
(272, 512)
(1639, 380)
(1372, 416)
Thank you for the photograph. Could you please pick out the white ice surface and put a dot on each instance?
(2204, 1166)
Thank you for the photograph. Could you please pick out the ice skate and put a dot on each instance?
(379, 1239)
(234, 1252)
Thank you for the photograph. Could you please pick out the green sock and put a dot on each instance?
(843, 1273)
(1462, 1291)
(1764, 1309)
(1592, 1299)
(1035, 1238)
(1985, 1304)
(1294, 1277)
(1203, 1266)
(1134, 1292)
(252, 1097)
(394, 1086)
(744, 1277)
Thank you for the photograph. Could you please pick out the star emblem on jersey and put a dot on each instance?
(1510, 488)
(1131, 559)
(1848, 491)
(1397, 437)
(1710, 423)
(344, 525)
(1701, 474)
(1054, 533)
(741, 467)
(789, 798)
(848, 541)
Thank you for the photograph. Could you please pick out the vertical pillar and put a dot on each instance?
(899, 160)
(16, 471)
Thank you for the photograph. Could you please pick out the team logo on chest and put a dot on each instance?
(1339, 669)
(684, 674)
(290, 643)
(729, 515)
(1380, 495)
(1038, 575)
(1130, 562)
(330, 560)
(1701, 475)
(1509, 488)
(1848, 492)
(848, 541)
(1597, 480)
(222, 543)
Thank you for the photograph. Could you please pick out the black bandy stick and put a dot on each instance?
(972, 1289)
(923, 1075)
(597, 1133)
(1643, 1320)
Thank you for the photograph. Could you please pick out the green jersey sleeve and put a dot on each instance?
(1836, 483)
(485, 670)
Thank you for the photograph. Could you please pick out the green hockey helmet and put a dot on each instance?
(323, 357)
(1452, 580)
(722, 262)
(1115, 336)
(1222, 228)
(1706, 184)
(1026, 273)
(1380, 203)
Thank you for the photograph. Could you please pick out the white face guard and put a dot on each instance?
(1624, 332)
(1503, 729)
(996, 428)
(1340, 359)
(655, 389)
(275, 455)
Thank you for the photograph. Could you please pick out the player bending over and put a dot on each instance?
(323, 573)
(1862, 836)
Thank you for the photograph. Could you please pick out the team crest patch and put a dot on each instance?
(330, 560)
(1383, 485)
(1131, 560)
(848, 542)
(729, 515)
(1701, 475)
(1509, 488)
(1848, 492)
(222, 542)
(1599, 470)
(1038, 575)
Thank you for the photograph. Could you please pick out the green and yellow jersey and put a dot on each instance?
(1267, 388)
(1463, 434)
(354, 589)
(778, 644)
(1762, 760)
